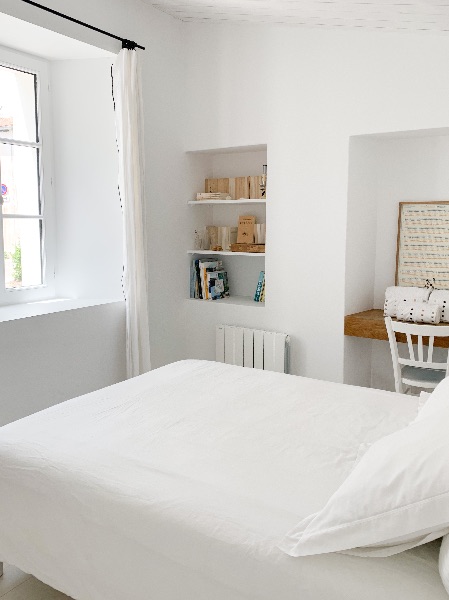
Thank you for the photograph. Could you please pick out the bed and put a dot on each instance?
(179, 484)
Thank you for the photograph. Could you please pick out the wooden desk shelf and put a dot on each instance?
(370, 324)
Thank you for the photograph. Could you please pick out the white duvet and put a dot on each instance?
(179, 484)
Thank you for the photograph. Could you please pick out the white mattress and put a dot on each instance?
(177, 485)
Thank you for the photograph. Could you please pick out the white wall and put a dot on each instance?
(89, 261)
(50, 358)
(305, 93)
(361, 237)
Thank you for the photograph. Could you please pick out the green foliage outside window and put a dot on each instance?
(16, 258)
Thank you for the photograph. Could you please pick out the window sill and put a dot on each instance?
(12, 312)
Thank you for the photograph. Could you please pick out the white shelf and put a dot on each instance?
(228, 202)
(243, 271)
(236, 300)
(225, 253)
(230, 150)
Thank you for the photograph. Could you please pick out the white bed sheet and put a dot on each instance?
(177, 485)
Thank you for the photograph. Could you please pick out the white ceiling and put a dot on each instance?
(374, 15)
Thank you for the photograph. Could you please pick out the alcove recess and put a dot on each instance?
(243, 268)
(384, 169)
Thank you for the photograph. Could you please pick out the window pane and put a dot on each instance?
(23, 252)
(17, 105)
(20, 180)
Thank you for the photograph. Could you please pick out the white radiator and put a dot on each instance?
(252, 348)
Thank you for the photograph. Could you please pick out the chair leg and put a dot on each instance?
(1, 569)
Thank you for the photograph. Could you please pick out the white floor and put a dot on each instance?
(16, 585)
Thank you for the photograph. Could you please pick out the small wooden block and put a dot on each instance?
(223, 185)
(255, 182)
(241, 188)
(256, 248)
(211, 186)
(217, 185)
(212, 234)
(239, 247)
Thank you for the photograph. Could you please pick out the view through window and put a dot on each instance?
(21, 219)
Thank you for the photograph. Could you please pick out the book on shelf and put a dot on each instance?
(212, 196)
(262, 293)
(208, 266)
(217, 283)
(193, 290)
(196, 285)
(208, 280)
(260, 287)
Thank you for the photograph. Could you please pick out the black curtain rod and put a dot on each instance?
(125, 43)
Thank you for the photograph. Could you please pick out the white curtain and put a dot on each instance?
(129, 125)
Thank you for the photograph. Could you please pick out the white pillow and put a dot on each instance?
(438, 399)
(397, 497)
(444, 562)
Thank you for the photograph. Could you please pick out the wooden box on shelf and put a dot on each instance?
(255, 183)
(253, 248)
(217, 185)
(236, 187)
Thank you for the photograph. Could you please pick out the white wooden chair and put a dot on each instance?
(420, 372)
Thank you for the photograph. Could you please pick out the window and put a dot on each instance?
(23, 248)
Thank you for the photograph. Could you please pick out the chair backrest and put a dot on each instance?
(421, 358)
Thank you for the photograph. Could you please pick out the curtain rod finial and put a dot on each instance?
(129, 45)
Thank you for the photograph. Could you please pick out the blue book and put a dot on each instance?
(192, 280)
(259, 286)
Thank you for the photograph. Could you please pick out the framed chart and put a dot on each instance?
(423, 244)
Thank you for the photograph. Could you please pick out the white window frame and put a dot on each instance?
(46, 290)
